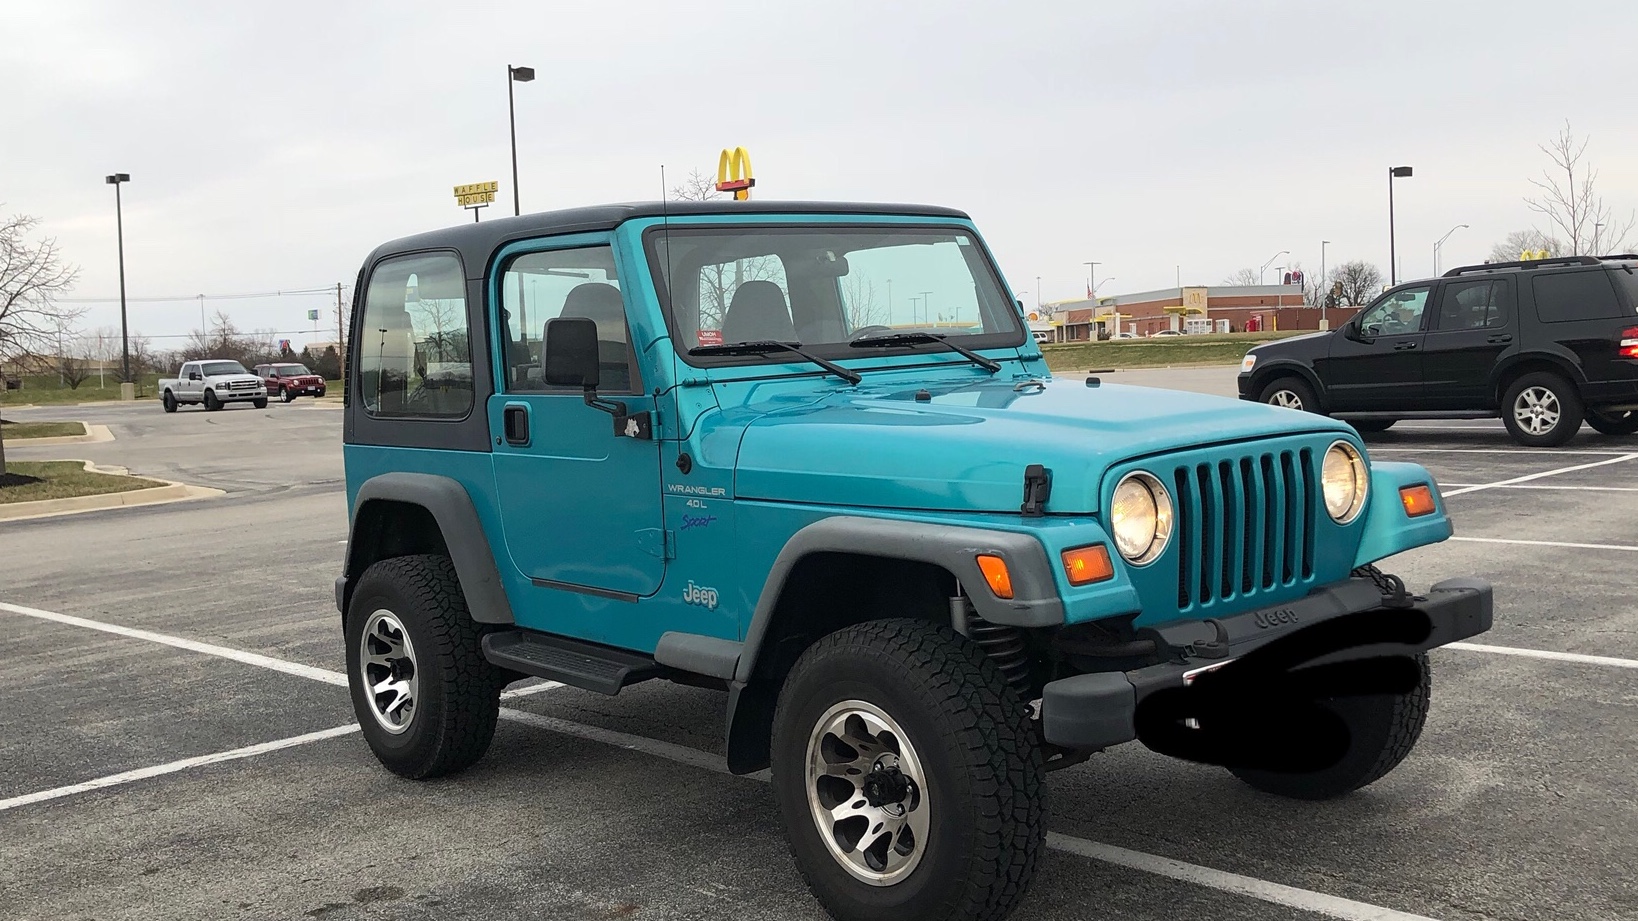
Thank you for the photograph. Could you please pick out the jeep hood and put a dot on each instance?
(964, 448)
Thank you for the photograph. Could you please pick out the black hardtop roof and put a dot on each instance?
(477, 240)
(1556, 262)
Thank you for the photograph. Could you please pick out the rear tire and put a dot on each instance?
(211, 403)
(425, 696)
(1367, 426)
(1382, 728)
(1290, 393)
(1542, 410)
(168, 401)
(1607, 423)
(914, 723)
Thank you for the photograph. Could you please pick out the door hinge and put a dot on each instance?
(657, 543)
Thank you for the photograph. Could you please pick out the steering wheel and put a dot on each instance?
(863, 330)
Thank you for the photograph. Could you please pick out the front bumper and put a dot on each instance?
(1095, 711)
(232, 396)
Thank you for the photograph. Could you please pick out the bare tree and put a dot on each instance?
(1568, 197)
(697, 187)
(1360, 281)
(32, 276)
(1243, 277)
(859, 300)
(1515, 244)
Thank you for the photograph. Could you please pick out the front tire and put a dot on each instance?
(259, 403)
(908, 776)
(1542, 410)
(211, 403)
(287, 395)
(1608, 423)
(1290, 393)
(1382, 730)
(425, 696)
(168, 401)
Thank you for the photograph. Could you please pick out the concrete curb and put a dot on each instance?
(93, 434)
(157, 495)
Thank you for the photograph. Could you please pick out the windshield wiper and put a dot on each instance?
(884, 342)
(767, 346)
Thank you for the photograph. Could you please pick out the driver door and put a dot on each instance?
(1375, 363)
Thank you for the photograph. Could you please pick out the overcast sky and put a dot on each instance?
(271, 148)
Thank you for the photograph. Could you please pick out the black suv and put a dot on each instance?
(1544, 344)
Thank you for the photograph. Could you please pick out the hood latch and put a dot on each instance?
(1037, 489)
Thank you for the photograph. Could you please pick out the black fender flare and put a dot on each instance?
(449, 504)
(1508, 369)
(1285, 368)
(1035, 601)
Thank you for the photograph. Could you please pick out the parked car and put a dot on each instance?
(288, 381)
(213, 384)
(1545, 345)
(1165, 332)
(923, 570)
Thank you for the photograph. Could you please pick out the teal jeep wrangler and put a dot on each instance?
(810, 455)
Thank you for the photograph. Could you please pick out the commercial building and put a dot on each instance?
(1213, 308)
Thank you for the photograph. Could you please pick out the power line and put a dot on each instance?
(299, 292)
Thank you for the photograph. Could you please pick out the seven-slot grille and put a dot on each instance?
(1244, 525)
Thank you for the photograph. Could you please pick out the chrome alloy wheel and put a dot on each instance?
(867, 792)
(1285, 398)
(1537, 410)
(386, 663)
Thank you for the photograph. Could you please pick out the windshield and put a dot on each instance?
(214, 368)
(822, 287)
(291, 370)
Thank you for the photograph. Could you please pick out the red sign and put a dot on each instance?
(710, 337)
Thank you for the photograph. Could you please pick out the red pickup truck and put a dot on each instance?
(288, 381)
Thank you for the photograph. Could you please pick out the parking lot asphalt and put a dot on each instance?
(177, 745)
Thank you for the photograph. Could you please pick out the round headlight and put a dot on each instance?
(1344, 481)
(1140, 517)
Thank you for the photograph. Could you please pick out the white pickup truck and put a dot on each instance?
(213, 383)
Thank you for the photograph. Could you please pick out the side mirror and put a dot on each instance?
(572, 357)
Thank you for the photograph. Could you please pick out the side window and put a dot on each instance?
(1473, 305)
(1566, 296)
(721, 282)
(1397, 314)
(414, 353)
(537, 288)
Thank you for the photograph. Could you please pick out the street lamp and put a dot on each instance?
(515, 75)
(1324, 286)
(116, 180)
(927, 305)
(1441, 243)
(1394, 172)
(1091, 277)
(1101, 284)
(1283, 252)
(1037, 294)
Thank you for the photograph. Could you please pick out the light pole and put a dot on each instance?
(1324, 286)
(1283, 252)
(1437, 246)
(1394, 172)
(913, 309)
(927, 305)
(1037, 294)
(514, 75)
(116, 180)
(1101, 284)
(1091, 277)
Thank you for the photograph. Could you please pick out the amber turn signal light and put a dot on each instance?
(1085, 565)
(1418, 500)
(995, 573)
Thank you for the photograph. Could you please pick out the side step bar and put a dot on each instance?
(574, 662)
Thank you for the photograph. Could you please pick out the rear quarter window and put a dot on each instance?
(1628, 279)
(1565, 296)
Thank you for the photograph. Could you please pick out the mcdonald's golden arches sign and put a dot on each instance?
(734, 173)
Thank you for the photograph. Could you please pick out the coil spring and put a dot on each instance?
(1006, 648)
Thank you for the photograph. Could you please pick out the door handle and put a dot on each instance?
(515, 419)
(1497, 340)
(1404, 346)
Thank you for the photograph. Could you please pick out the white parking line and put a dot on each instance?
(1536, 476)
(1550, 486)
(114, 780)
(1546, 654)
(248, 658)
(1263, 890)
(1555, 452)
(1545, 543)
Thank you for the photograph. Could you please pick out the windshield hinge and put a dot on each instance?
(1037, 489)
